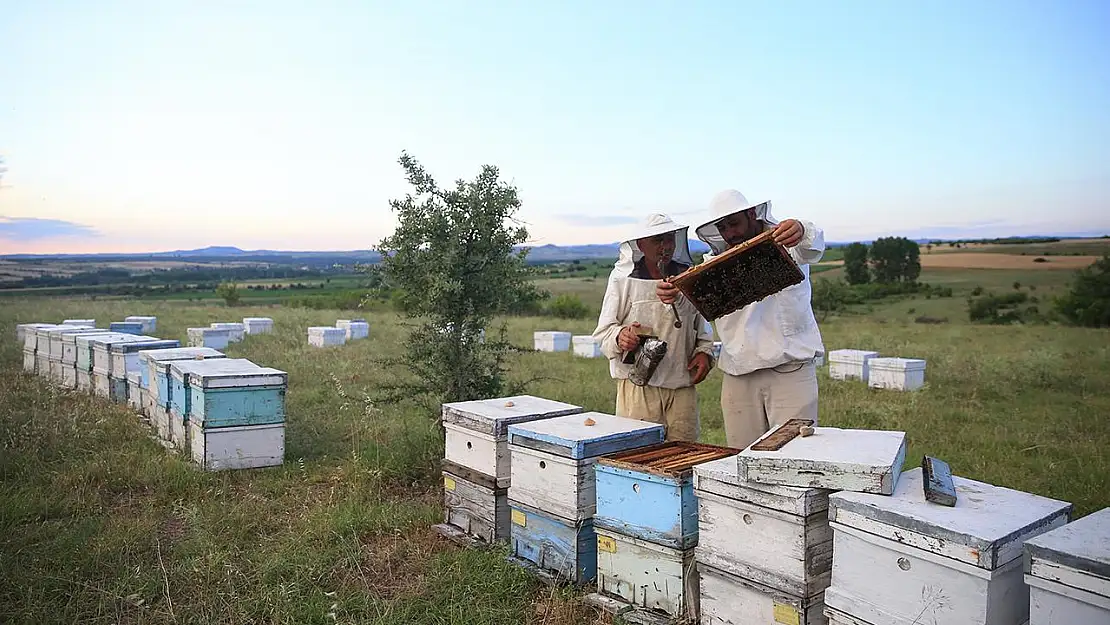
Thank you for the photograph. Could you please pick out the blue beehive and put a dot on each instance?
(565, 548)
(227, 392)
(648, 493)
(127, 327)
(181, 397)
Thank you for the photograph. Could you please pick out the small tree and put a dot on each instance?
(895, 259)
(855, 264)
(1088, 302)
(451, 264)
(229, 292)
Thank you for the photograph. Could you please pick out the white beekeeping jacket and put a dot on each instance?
(630, 296)
(780, 328)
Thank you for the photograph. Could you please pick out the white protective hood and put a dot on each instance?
(654, 224)
(728, 203)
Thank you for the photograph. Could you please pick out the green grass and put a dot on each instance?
(100, 524)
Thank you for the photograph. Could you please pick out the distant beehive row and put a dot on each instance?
(827, 528)
(344, 330)
(223, 413)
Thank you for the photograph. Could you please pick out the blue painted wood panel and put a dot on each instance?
(225, 407)
(565, 548)
(179, 397)
(126, 327)
(579, 444)
(651, 507)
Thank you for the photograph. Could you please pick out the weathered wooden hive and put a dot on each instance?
(903, 559)
(355, 329)
(646, 522)
(551, 341)
(236, 330)
(764, 552)
(742, 275)
(899, 374)
(552, 493)
(1067, 571)
(104, 384)
(586, 346)
(850, 364)
(54, 338)
(258, 325)
(150, 323)
(476, 464)
(134, 391)
(83, 356)
(326, 336)
(127, 327)
(154, 366)
(38, 340)
(27, 333)
(125, 357)
(70, 366)
(216, 338)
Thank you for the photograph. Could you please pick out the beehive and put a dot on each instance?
(900, 374)
(127, 327)
(901, 558)
(728, 599)
(242, 447)
(258, 325)
(772, 542)
(355, 329)
(648, 493)
(549, 341)
(567, 549)
(585, 346)
(647, 575)
(134, 395)
(70, 355)
(105, 384)
(324, 336)
(109, 387)
(209, 337)
(235, 330)
(125, 356)
(742, 275)
(868, 461)
(29, 365)
(850, 364)
(149, 323)
(1067, 571)
(21, 330)
(474, 504)
(159, 386)
(80, 322)
(85, 354)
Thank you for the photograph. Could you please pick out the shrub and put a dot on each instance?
(567, 306)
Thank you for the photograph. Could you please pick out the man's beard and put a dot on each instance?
(751, 232)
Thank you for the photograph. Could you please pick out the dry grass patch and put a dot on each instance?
(993, 260)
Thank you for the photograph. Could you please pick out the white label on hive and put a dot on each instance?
(786, 614)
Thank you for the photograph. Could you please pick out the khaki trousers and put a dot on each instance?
(755, 402)
(674, 408)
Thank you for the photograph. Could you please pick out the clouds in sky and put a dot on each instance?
(34, 229)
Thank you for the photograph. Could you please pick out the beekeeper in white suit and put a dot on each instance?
(768, 347)
(658, 248)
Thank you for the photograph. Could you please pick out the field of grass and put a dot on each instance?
(100, 524)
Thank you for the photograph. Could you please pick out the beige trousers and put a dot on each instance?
(757, 401)
(674, 408)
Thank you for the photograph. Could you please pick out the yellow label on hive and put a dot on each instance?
(449, 483)
(786, 614)
(518, 518)
(606, 544)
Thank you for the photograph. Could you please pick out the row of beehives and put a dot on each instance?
(344, 330)
(828, 529)
(223, 413)
(902, 374)
(219, 334)
(581, 345)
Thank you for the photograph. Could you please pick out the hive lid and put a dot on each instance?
(59, 331)
(257, 320)
(1083, 545)
(584, 338)
(209, 330)
(179, 353)
(226, 373)
(852, 355)
(228, 325)
(672, 459)
(105, 341)
(896, 364)
(986, 528)
(325, 330)
(550, 334)
(140, 318)
(71, 337)
(570, 436)
(138, 346)
(720, 477)
(494, 416)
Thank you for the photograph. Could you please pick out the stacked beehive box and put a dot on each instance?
(38, 342)
(126, 327)
(258, 325)
(647, 525)
(764, 552)
(1067, 570)
(54, 339)
(325, 336)
(104, 382)
(149, 323)
(355, 329)
(70, 366)
(235, 330)
(124, 357)
(476, 465)
(27, 334)
(216, 338)
(228, 413)
(850, 364)
(586, 346)
(154, 366)
(552, 494)
(904, 559)
(900, 374)
(551, 341)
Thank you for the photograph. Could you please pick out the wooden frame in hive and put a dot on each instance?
(742, 275)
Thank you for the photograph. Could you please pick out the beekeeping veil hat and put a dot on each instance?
(653, 225)
(728, 203)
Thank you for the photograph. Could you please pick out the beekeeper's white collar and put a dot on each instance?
(653, 225)
(727, 203)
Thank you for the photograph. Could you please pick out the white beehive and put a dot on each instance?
(903, 559)
(1068, 572)
(235, 330)
(134, 388)
(868, 461)
(354, 328)
(124, 357)
(21, 330)
(154, 365)
(209, 337)
(149, 323)
(586, 346)
(900, 374)
(28, 361)
(324, 336)
(850, 364)
(257, 325)
(239, 447)
(551, 341)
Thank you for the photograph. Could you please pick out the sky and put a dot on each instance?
(159, 125)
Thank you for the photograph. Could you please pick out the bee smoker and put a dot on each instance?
(645, 359)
